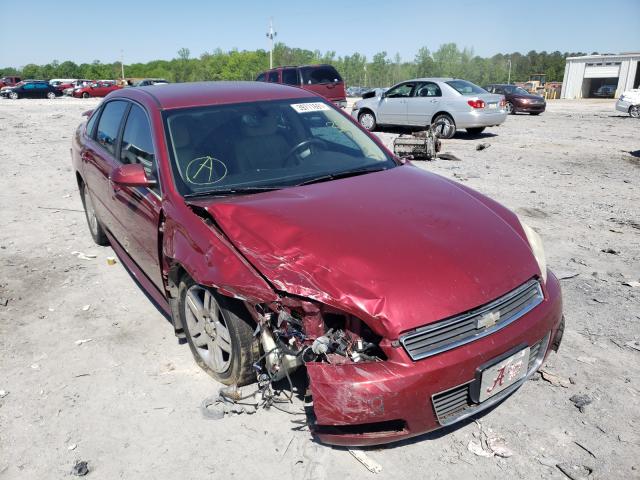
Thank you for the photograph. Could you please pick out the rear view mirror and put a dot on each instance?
(131, 175)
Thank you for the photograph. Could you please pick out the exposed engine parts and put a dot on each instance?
(422, 145)
(289, 338)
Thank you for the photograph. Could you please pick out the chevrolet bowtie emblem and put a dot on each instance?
(488, 319)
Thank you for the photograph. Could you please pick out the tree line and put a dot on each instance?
(381, 70)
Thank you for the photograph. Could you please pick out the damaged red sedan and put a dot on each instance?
(277, 235)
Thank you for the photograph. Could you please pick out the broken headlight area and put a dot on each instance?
(295, 332)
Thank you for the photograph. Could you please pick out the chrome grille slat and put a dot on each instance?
(461, 329)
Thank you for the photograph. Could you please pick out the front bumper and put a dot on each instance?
(623, 106)
(528, 107)
(373, 403)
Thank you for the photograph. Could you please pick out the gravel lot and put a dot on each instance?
(127, 399)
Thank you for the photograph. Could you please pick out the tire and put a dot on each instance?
(51, 95)
(535, 113)
(475, 131)
(368, 120)
(85, 95)
(95, 227)
(510, 108)
(444, 126)
(634, 111)
(230, 336)
(14, 96)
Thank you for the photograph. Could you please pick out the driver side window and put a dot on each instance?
(401, 91)
(137, 143)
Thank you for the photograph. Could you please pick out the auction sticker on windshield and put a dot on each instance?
(310, 107)
(504, 374)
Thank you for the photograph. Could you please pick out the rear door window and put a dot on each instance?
(273, 76)
(109, 125)
(290, 76)
(137, 145)
(322, 74)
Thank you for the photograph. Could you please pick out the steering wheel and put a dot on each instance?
(302, 144)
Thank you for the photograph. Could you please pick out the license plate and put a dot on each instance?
(493, 105)
(503, 374)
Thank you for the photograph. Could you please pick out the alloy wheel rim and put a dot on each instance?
(51, 95)
(634, 112)
(208, 328)
(366, 120)
(509, 107)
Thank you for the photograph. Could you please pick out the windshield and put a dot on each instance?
(465, 88)
(265, 145)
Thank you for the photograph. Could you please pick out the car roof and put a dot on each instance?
(431, 79)
(196, 94)
(315, 65)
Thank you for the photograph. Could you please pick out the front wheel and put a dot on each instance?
(510, 109)
(634, 111)
(219, 334)
(51, 95)
(475, 131)
(14, 95)
(534, 113)
(85, 95)
(444, 126)
(367, 120)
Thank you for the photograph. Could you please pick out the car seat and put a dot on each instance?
(261, 146)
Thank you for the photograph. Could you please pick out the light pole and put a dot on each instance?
(509, 80)
(122, 63)
(271, 35)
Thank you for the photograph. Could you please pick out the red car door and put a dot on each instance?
(98, 159)
(138, 208)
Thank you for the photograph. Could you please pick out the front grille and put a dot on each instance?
(467, 327)
(453, 403)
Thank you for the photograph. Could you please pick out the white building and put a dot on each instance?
(600, 76)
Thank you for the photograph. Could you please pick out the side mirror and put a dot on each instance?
(130, 175)
(87, 113)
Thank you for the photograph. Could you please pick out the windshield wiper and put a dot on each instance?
(345, 174)
(230, 191)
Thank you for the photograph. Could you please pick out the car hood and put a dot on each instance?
(399, 248)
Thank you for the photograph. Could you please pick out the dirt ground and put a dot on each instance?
(89, 370)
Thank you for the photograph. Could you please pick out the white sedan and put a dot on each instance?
(629, 102)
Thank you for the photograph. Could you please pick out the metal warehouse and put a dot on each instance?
(600, 76)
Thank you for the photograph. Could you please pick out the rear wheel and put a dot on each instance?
(475, 131)
(509, 108)
(444, 126)
(634, 111)
(218, 332)
(14, 95)
(95, 227)
(85, 95)
(367, 120)
(51, 95)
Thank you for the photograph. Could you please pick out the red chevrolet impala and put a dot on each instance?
(277, 234)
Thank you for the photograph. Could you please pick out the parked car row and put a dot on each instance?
(14, 87)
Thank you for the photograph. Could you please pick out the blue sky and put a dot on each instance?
(87, 30)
